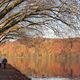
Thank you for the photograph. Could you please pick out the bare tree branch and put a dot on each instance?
(64, 11)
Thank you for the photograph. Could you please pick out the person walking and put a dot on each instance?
(4, 62)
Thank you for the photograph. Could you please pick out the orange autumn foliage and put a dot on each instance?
(44, 57)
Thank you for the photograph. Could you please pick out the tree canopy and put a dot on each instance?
(20, 16)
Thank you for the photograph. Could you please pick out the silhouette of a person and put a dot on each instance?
(4, 62)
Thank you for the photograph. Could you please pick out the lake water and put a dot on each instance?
(53, 79)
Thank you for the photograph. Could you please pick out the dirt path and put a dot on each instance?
(10, 73)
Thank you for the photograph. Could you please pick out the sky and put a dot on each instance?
(65, 31)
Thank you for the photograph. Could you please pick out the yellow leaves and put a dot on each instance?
(12, 29)
(2, 2)
(15, 2)
(1, 25)
(15, 28)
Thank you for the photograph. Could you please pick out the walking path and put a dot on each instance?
(10, 73)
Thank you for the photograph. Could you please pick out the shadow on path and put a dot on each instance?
(10, 73)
